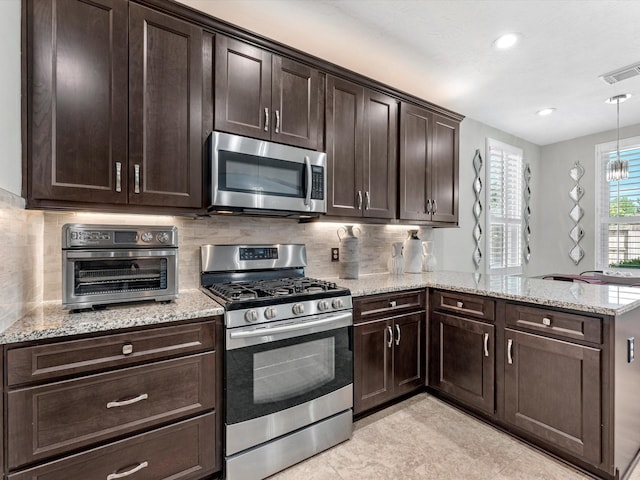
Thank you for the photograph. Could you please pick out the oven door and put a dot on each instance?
(100, 277)
(285, 375)
(254, 174)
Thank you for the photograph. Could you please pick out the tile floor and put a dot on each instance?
(424, 438)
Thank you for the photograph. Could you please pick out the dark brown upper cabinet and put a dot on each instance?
(114, 110)
(361, 140)
(429, 149)
(265, 96)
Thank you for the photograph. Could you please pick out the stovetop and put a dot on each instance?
(249, 294)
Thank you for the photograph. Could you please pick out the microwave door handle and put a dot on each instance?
(307, 197)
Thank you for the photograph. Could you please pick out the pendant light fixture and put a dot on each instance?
(617, 169)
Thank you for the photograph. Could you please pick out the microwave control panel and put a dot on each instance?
(317, 183)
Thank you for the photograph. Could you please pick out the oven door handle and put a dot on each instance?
(263, 332)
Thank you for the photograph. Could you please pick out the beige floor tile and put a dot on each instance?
(425, 439)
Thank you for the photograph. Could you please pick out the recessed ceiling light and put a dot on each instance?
(507, 40)
(545, 111)
(618, 98)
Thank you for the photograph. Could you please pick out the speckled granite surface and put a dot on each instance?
(50, 320)
(605, 299)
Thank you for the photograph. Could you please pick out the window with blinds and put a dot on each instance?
(504, 190)
(618, 208)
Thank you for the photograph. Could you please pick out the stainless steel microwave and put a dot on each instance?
(259, 177)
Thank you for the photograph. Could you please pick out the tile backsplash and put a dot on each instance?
(21, 237)
(319, 237)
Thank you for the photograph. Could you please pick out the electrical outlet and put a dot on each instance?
(335, 254)
(631, 350)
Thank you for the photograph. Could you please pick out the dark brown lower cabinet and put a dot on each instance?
(553, 391)
(388, 359)
(462, 358)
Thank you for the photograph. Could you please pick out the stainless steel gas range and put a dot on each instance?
(288, 357)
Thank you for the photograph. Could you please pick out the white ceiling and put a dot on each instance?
(441, 50)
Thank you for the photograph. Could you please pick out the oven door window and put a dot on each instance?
(269, 377)
(266, 176)
(99, 276)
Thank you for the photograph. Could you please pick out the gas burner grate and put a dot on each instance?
(282, 287)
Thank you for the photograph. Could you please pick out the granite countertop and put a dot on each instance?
(602, 299)
(51, 321)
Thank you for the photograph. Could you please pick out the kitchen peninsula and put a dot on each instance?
(546, 361)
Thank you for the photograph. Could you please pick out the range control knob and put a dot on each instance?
(297, 308)
(146, 237)
(162, 237)
(270, 313)
(337, 303)
(323, 305)
(251, 316)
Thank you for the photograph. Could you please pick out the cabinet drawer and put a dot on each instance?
(565, 325)
(388, 304)
(59, 417)
(183, 451)
(461, 303)
(55, 360)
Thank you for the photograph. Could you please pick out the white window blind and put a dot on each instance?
(618, 208)
(504, 190)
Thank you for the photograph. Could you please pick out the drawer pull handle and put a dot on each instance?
(124, 403)
(546, 321)
(393, 304)
(510, 352)
(390, 342)
(486, 344)
(137, 468)
(459, 304)
(127, 349)
(398, 330)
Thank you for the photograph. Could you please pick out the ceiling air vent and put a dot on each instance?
(621, 74)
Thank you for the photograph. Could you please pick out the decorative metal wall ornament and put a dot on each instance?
(576, 213)
(477, 209)
(526, 248)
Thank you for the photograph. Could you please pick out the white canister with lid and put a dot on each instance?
(413, 253)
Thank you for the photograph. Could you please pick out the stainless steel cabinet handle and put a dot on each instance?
(459, 304)
(367, 200)
(398, 331)
(359, 198)
(486, 344)
(390, 341)
(124, 403)
(307, 197)
(137, 468)
(427, 207)
(118, 176)
(136, 178)
(277, 121)
(510, 352)
(546, 321)
(266, 119)
(435, 206)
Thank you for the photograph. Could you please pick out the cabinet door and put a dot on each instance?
(415, 151)
(78, 105)
(165, 110)
(463, 359)
(243, 89)
(380, 155)
(553, 391)
(345, 147)
(294, 99)
(408, 357)
(444, 170)
(373, 374)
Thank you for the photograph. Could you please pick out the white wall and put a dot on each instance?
(553, 202)
(454, 247)
(10, 151)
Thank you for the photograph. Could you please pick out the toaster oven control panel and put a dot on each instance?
(105, 236)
